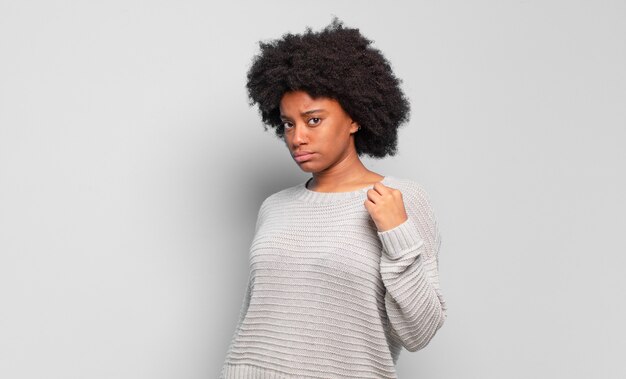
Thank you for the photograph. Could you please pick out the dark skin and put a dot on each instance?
(321, 126)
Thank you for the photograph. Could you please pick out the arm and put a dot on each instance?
(242, 312)
(409, 270)
(246, 298)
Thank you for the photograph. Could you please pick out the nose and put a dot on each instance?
(299, 134)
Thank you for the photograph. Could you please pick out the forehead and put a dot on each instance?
(297, 102)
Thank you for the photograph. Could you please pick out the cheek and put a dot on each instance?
(335, 143)
(340, 135)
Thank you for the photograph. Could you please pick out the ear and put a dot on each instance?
(354, 127)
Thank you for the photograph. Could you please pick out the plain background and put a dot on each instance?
(132, 169)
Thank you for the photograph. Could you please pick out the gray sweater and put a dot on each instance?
(328, 295)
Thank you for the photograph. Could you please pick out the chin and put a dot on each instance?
(307, 166)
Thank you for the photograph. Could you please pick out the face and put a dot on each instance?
(319, 126)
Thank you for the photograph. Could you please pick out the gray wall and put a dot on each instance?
(128, 190)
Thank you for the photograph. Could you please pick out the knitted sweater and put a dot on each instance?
(330, 296)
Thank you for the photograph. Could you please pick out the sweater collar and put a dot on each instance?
(307, 195)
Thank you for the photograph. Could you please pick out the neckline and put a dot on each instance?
(305, 194)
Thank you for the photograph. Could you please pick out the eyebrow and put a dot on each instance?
(305, 113)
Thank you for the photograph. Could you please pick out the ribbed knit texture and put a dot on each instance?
(328, 295)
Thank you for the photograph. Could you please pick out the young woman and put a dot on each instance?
(344, 266)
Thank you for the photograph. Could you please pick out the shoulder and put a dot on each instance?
(266, 208)
(419, 207)
(415, 196)
(279, 198)
(411, 189)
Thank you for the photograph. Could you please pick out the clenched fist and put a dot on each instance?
(385, 206)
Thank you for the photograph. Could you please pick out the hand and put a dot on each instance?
(385, 206)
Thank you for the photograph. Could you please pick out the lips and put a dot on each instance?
(302, 152)
(302, 156)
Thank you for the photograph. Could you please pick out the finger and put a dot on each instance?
(373, 195)
(381, 188)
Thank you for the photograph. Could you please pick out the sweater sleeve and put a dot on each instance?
(409, 269)
(250, 284)
(242, 312)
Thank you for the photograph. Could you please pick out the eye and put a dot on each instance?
(286, 124)
(314, 118)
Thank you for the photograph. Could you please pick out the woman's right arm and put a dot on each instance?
(246, 298)
(242, 312)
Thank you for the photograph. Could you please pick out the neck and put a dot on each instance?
(341, 177)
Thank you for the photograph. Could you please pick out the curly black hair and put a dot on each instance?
(337, 63)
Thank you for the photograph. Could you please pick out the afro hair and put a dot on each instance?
(336, 63)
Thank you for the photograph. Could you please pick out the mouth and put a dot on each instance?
(303, 157)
